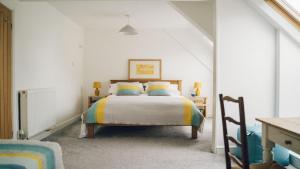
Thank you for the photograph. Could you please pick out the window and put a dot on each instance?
(289, 9)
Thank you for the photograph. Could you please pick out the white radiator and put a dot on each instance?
(37, 110)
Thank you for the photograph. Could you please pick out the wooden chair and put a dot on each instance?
(242, 123)
(244, 162)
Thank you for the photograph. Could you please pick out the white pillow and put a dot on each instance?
(175, 93)
(113, 88)
(174, 87)
(174, 90)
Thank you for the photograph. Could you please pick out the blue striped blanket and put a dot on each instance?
(145, 110)
(30, 155)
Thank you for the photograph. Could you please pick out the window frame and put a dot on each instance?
(277, 6)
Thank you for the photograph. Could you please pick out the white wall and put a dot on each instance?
(48, 54)
(107, 53)
(289, 77)
(245, 61)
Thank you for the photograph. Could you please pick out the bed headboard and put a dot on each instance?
(178, 82)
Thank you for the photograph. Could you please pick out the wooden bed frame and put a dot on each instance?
(91, 126)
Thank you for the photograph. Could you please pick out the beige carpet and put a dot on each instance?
(138, 148)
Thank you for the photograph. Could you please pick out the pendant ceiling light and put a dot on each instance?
(128, 29)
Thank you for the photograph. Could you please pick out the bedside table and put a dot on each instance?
(201, 103)
(93, 99)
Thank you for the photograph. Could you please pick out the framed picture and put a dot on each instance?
(149, 69)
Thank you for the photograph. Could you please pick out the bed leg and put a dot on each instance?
(194, 132)
(90, 130)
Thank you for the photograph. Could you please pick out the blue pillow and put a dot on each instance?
(255, 149)
(281, 155)
(159, 93)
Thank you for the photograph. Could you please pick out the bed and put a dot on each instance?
(144, 110)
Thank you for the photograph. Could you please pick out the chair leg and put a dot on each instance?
(90, 130)
(194, 132)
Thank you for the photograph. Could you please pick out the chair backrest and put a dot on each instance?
(244, 162)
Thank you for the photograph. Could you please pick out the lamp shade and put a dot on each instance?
(197, 85)
(97, 85)
(128, 30)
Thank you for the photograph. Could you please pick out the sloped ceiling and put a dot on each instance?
(148, 14)
(200, 13)
(274, 18)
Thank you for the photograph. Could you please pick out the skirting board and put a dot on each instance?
(56, 128)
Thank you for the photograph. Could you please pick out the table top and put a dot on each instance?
(290, 124)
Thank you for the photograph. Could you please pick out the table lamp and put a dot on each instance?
(97, 86)
(197, 86)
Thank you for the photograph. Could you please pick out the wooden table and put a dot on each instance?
(283, 131)
(201, 103)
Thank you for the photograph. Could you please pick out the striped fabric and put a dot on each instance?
(125, 90)
(30, 155)
(139, 109)
(158, 90)
(191, 115)
(97, 111)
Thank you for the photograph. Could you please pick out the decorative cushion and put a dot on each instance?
(128, 89)
(172, 86)
(113, 88)
(173, 89)
(158, 89)
(255, 149)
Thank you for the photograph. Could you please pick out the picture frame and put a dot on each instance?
(148, 69)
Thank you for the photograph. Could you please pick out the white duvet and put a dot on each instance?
(146, 110)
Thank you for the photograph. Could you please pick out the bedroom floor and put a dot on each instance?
(138, 148)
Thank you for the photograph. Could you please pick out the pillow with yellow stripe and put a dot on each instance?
(159, 89)
(128, 90)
